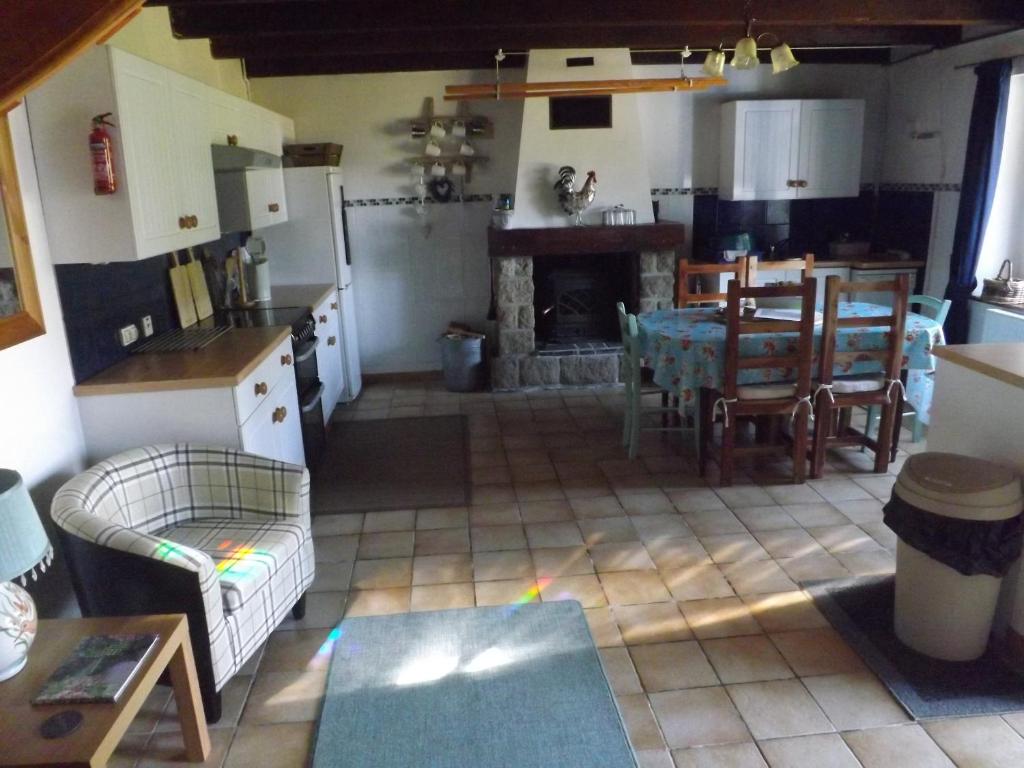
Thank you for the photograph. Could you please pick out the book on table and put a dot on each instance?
(792, 315)
(98, 670)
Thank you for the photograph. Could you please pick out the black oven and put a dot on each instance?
(307, 375)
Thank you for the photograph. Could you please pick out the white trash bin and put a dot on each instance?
(946, 594)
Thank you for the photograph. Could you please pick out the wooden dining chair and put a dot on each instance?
(633, 375)
(835, 396)
(687, 269)
(920, 383)
(790, 398)
(756, 268)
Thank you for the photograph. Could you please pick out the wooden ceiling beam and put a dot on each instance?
(210, 18)
(514, 38)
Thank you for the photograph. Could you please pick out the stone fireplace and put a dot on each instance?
(554, 292)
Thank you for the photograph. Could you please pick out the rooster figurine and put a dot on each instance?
(574, 202)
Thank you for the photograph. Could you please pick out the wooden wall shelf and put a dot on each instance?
(558, 241)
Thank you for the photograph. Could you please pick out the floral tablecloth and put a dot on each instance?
(686, 347)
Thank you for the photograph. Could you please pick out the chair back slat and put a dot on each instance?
(756, 267)
(891, 356)
(735, 328)
(687, 269)
(938, 307)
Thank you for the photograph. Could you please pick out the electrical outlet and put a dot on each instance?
(129, 334)
(147, 325)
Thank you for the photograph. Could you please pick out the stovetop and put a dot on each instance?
(263, 317)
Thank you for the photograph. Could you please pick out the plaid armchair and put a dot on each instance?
(221, 536)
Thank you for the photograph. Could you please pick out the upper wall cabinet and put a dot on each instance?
(791, 149)
(164, 126)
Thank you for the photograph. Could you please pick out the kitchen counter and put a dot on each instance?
(1003, 362)
(862, 263)
(225, 362)
(310, 296)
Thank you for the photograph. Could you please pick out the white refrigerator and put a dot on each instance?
(312, 247)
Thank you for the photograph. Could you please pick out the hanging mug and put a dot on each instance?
(459, 129)
(437, 129)
(433, 149)
(421, 188)
(458, 168)
(437, 170)
(467, 149)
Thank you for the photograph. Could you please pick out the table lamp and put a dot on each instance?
(23, 547)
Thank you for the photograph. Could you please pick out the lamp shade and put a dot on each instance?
(23, 541)
(745, 54)
(714, 63)
(782, 58)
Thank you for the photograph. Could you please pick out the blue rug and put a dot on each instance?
(508, 687)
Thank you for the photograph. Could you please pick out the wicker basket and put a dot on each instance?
(1003, 290)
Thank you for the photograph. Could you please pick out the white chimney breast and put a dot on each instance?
(615, 154)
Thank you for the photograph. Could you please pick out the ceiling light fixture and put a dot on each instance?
(744, 56)
(714, 62)
(745, 53)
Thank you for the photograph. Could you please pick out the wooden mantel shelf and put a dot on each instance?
(564, 241)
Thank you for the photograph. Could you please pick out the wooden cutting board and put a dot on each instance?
(182, 289)
(200, 291)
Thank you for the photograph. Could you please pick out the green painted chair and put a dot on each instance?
(632, 375)
(920, 384)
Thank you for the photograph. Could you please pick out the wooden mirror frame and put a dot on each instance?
(28, 323)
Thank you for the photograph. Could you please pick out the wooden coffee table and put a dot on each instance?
(92, 743)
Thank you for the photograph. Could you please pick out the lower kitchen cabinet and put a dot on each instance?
(259, 414)
(329, 353)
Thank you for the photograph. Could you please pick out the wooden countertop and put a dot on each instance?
(868, 263)
(311, 296)
(1004, 362)
(223, 363)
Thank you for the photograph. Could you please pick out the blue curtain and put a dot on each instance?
(977, 190)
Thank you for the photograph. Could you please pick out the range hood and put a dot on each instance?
(229, 158)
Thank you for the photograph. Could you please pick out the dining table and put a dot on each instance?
(685, 348)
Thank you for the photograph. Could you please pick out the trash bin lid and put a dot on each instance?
(960, 486)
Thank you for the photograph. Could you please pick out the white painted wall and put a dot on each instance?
(928, 93)
(414, 275)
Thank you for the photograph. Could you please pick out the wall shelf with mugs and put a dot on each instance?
(448, 152)
(445, 166)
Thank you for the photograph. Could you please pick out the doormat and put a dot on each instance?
(861, 610)
(515, 685)
(381, 464)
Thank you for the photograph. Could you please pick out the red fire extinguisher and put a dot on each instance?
(104, 182)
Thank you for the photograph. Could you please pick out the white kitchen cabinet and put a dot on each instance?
(991, 324)
(251, 199)
(248, 124)
(260, 414)
(190, 123)
(329, 353)
(786, 149)
(878, 275)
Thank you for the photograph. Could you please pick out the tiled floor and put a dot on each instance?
(715, 655)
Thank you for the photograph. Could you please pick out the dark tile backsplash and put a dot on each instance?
(889, 220)
(99, 299)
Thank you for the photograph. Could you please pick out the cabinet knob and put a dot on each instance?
(802, 184)
(195, 220)
(332, 340)
(286, 359)
(261, 388)
(232, 140)
(791, 183)
(274, 207)
(334, 305)
(182, 222)
(323, 318)
(279, 415)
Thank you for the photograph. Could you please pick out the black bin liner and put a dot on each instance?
(968, 546)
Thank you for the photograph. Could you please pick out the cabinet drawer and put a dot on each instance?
(255, 387)
(274, 429)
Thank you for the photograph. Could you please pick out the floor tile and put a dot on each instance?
(620, 556)
(677, 553)
(546, 490)
(733, 548)
(744, 496)
(506, 592)
(602, 530)
(838, 490)
(332, 577)
(770, 518)
(651, 623)
(336, 525)
(819, 651)
(632, 587)
(855, 700)
(779, 708)
(323, 609)
(441, 569)
(377, 602)
(378, 545)
(743, 755)
(618, 666)
(696, 500)
(603, 628)
(793, 494)
(493, 493)
(641, 726)
(791, 542)
(545, 511)
(876, 562)
(757, 577)
(825, 750)
(586, 590)
(562, 561)
(672, 666)
(285, 697)
(813, 568)
(558, 534)
(719, 617)
(600, 506)
(653, 758)
(296, 651)
(697, 582)
(336, 549)
(646, 504)
(441, 597)
(494, 538)
(398, 520)
(166, 750)
(815, 514)
(978, 742)
(443, 517)
(494, 566)
(698, 717)
(494, 514)
(713, 522)
(861, 510)
(653, 527)
(379, 574)
(745, 659)
(899, 745)
(449, 541)
(784, 611)
(842, 538)
(272, 746)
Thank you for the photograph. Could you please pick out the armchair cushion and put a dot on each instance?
(245, 553)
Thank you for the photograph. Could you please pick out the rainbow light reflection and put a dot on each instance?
(533, 593)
